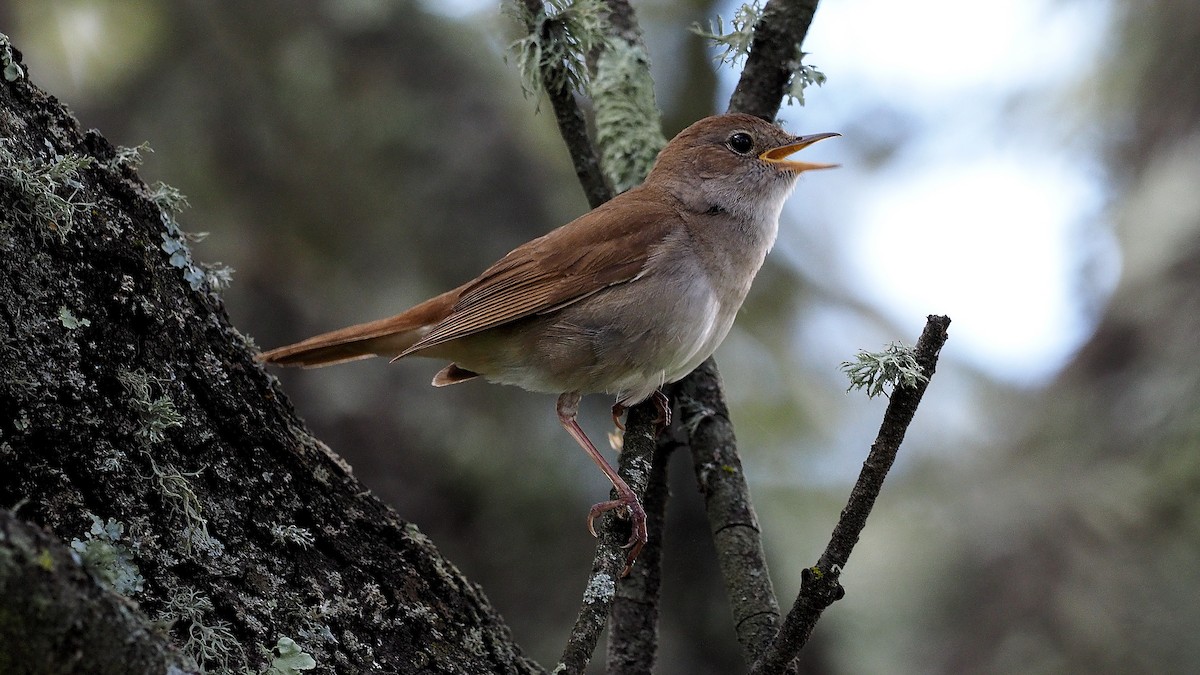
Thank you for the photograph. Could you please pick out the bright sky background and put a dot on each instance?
(1003, 196)
(997, 193)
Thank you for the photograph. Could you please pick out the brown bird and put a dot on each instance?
(626, 298)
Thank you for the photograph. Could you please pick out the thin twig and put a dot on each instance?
(571, 123)
(819, 585)
(773, 54)
(609, 561)
(731, 518)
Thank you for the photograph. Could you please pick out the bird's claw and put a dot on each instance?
(618, 409)
(637, 516)
(661, 421)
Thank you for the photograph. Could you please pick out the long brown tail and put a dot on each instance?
(385, 337)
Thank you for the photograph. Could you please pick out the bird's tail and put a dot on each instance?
(385, 337)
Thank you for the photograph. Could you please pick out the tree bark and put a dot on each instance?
(50, 601)
(128, 399)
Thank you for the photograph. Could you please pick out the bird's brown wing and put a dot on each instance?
(587, 255)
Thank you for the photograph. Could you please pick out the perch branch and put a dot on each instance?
(598, 597)
(633, 630)
(633, 624)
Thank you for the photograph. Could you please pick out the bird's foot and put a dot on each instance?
(661, 403)
(637, 517)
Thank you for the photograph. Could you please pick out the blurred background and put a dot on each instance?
(1030, 168)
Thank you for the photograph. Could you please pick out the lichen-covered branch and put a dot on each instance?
(556, 81)
(624, 96)
(773, 57)
(629, 135)
(628, 126)
(610, 560)
(732, 520)
(819, 585)
(633, 624)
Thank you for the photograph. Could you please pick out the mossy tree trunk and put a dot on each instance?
(136, 427)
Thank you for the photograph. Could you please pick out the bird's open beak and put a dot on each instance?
(779, 156)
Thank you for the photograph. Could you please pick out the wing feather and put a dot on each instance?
(587, 255)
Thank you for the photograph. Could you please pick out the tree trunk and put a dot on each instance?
(136, 426)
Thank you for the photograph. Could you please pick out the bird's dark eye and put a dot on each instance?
(740, 142)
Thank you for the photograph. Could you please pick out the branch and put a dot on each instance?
(571, 123)
(629, 135)
(633, 625)
(819, 586)
(734, 525)
(628, 126)
(777, 38)
(731, 518)
(598, 597)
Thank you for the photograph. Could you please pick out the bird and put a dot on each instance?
(627, 298)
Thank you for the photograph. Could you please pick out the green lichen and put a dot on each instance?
(157, 414)
(737, 40)
(628, 128)
(288, 659)
(109, 560)
(182, 502)
(176, 243)
(12, 70)
(600, 588)
(293, 534)
(169, 198)
(128, 157)
(803, 76)
(735, 45)
(45, 193)
(874, 372)
(209, 641)
(560, 37)
(69, 320)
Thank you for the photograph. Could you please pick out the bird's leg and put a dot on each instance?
(568, 406)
